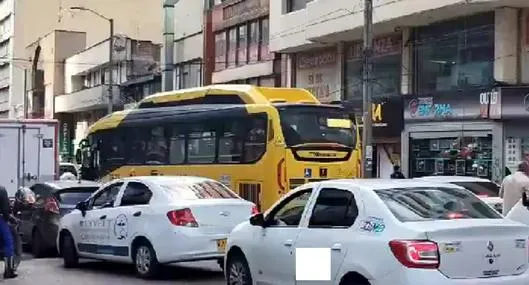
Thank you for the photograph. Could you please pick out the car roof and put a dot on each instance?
(449, 179)
(169, 179)
(62, 184)
(379, 184)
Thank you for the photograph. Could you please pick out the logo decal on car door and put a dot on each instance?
(121, 227)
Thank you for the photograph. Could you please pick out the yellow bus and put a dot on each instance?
(261, 142)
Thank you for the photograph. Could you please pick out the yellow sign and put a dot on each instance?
(322, 154)
(376, 114)
(339, 123)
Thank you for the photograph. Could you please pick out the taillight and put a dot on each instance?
(255, 210)
(183, 218)
(455, 215)
(51, 206)
(416, 254)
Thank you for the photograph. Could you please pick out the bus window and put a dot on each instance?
(231, 140)
(201, 144)
(255, 143)
(157, 146)
(177, 146)
(315, 124)
(136, 146)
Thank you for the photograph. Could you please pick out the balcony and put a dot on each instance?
(89, 99)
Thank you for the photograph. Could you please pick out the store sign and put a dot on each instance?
(317, 72)
(65, 143)
(382, 46)
(426, 107)
(386, 115)
(490, 104)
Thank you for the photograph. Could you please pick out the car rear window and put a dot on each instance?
(202, 190)
(67, 168)
(72, 196)
(488, 189)
(433, 203)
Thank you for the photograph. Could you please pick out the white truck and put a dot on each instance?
(28, 152)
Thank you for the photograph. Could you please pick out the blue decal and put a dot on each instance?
(308, 173)
(373, 225)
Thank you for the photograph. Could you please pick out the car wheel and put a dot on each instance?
(37, 246)
(145, 261)
(68, 252)
(238, 272)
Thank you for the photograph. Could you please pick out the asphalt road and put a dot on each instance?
(49, 271)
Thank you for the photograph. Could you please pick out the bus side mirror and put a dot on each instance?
(525, 200)
(78, 157)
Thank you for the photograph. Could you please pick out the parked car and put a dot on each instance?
(40, 208)
(383, 232)
(485, 189)
(65, 167)
(153, 220)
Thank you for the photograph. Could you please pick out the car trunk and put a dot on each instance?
(220, 216)
(479, 248)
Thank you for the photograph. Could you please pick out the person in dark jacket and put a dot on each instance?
(7, 236)
(397, 174)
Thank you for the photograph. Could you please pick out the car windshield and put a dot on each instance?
(67, 168)
(72, 196)
(482, 188)
(434, 203)
(316, 124)
(201, 190)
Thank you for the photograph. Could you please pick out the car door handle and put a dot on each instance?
(137, 214)
(103, 217)
(288, 242)
(336, 247)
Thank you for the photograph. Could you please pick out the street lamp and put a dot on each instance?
(110, 51)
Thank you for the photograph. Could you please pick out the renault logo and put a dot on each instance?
(490, 246)
(225, 214)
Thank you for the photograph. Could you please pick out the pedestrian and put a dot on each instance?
(397, 174)
(513, 186)
(7, 236)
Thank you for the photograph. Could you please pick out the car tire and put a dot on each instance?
(69, 252)
(37, 246)
(238, 271)
(146, 263)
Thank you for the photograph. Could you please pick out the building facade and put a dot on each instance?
(458, 69)
(24, 22)
(85, 97)
(240, 53)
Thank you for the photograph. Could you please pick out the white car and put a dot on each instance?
(485, 189)
(381, 232)
(153, 220)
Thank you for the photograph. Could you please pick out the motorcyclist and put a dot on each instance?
(7, 236)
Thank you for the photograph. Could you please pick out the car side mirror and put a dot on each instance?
(78, 157)
(257, 220)
(525, 199)
(82, 206)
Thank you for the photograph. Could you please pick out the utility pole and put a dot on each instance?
(367, 121)
(111, 73)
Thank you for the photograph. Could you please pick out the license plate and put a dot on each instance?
(221, 245)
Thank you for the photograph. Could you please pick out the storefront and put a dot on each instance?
(451, 135)
(319, 72)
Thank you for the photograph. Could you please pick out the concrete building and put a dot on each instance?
(238, 50)
(458, 67)
(23, 22)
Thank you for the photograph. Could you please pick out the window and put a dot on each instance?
(231, 141)
(435, 203)
(290, 211)
(72, 196)
(232, 47)
(255, 142)
(454, 55)
(136, 146)
(201, 190)
(485, 188)
(294, 5)
(220, 51)
(106, 197)
(242, 56)
(157, 150)
(201, 144)
(264, 49)
(136, 194)
(177, 146)
(334, 208)
(254, 39)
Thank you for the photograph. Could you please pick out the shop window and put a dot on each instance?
(242, 44)
(454, 55)
(220, 51)
(232, 47)
(461, 156)
(254, 39)
(387, 67)
(201, 144)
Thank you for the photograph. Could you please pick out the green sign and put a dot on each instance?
(65, 142)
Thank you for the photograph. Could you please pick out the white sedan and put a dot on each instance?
(381, 232)
(154, 220)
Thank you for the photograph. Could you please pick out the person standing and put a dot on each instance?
(513, 186)
(397, 174)
(7, 236)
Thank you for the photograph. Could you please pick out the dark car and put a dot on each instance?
(40, 208)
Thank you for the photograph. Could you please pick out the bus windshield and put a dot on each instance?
(316, 124)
